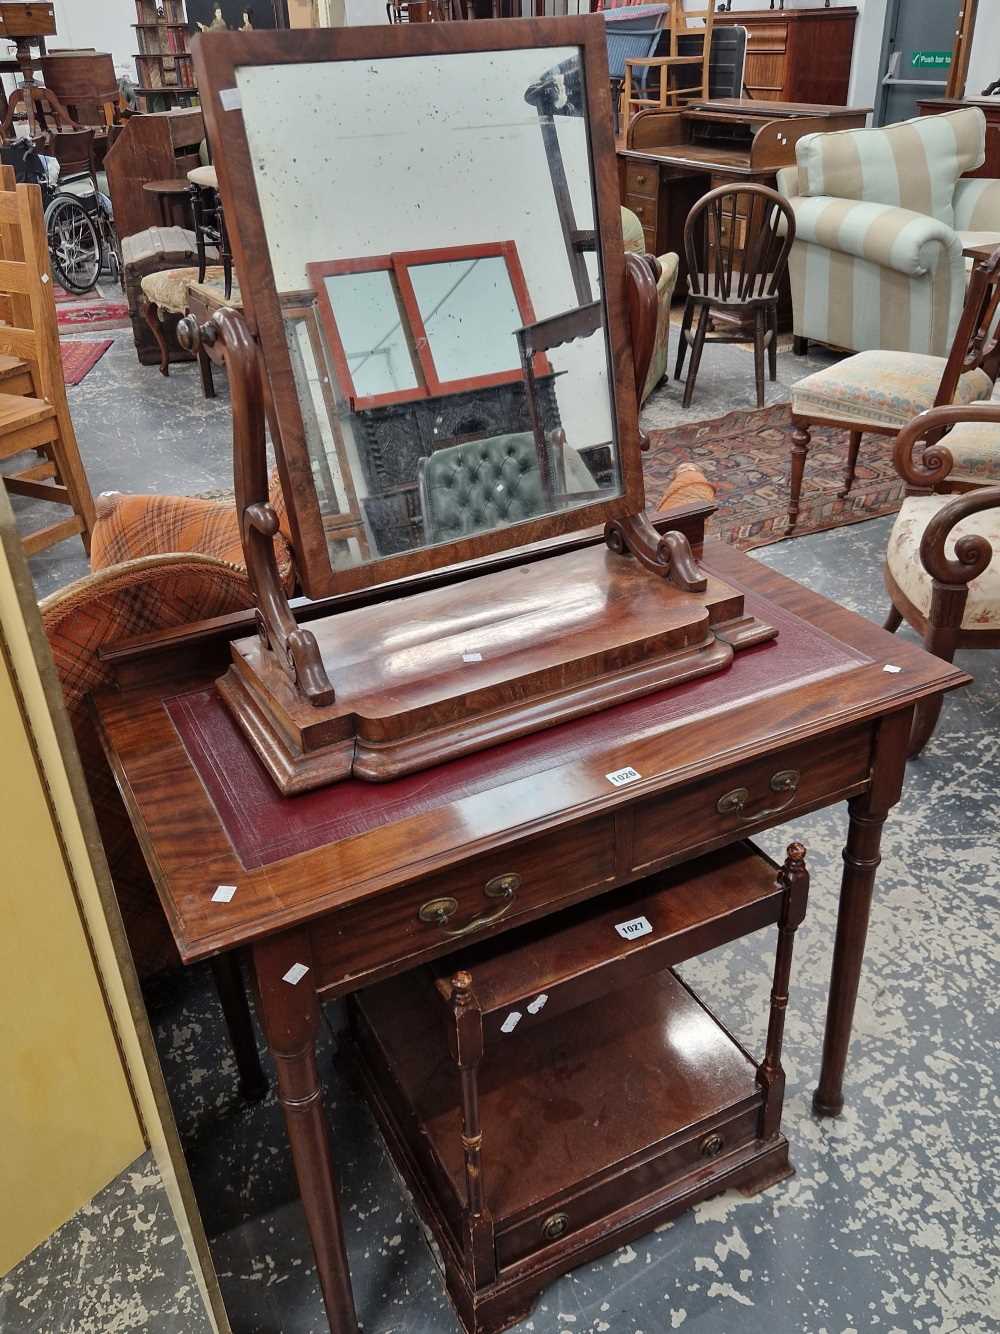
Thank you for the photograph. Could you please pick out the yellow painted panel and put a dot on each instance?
(67, 1120)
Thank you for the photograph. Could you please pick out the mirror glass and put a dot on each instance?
(430, 223)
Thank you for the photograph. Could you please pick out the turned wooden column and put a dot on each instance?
(861, 860)
(290, 1014)
(794, 878)
(467, 1051)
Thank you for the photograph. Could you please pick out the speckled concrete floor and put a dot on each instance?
(890, 1223)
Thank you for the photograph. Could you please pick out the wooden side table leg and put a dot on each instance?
(290, 1015)
(861, 859)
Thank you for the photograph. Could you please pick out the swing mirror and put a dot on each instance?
(427, 233)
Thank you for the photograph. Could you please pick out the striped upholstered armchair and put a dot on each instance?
(882, 217)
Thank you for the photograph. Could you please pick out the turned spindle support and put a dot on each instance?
(794, 879)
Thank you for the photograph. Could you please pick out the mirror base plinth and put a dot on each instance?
(458, 669)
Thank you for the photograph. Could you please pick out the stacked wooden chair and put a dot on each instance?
(34, 414)
(675, 68)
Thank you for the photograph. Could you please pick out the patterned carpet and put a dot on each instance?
(80, 356)
(746, 454)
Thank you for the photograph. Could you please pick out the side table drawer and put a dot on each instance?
(656, 1171)
(438, 914)
(749, 796)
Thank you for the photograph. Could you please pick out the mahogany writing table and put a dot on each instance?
(333, 882)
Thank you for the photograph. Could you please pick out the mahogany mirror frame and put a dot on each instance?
(217, 56)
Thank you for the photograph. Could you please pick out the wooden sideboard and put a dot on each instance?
(991, 108)
(801, 55)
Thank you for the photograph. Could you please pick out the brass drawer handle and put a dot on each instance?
(734, 803)
(436, 912)
(712, 1145)
(641, 180)
(554, 1226)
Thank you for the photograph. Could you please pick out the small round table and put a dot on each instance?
(164, 192)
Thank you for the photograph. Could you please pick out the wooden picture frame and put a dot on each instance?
(217, 57)
(398, 265)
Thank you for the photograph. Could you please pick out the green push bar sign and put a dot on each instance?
(931, 59)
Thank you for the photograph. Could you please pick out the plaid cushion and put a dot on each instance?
(156, 593)
(129, 527)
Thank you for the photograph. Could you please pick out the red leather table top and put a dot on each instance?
(265, 827)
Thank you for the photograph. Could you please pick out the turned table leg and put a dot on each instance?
(290, 1015)
(861, 859)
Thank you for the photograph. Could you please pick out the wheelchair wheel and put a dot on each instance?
(74, 244)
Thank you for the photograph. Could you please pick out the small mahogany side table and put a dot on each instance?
(334, 889)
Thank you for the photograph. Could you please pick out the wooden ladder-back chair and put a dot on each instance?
(672, 93)
(736, 241)
(880, 392)
(34, 413)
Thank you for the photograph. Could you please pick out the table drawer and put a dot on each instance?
(753, 795)
(644, 209)
(438, 914)
(641, 178)
(562, 1217)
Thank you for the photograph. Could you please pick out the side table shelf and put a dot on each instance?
(555, 1092)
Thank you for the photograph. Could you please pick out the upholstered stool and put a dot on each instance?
(153, 251)
(167, 293)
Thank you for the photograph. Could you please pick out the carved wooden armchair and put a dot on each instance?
(940, 569)
(880, 392)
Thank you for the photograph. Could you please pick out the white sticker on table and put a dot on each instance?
(891, 667)
(534, 1006)
(622, 776)
(295, 974)
(511, 1022)
(634, 928)
(472, 657)
(230, 99)
(223, 893)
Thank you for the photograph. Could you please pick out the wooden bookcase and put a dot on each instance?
(163, 62)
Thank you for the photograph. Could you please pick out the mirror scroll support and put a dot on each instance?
(227, 339)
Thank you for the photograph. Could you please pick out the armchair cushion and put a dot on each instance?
(881, 389)
(895, 238)
(982, 610)
(130, 527)
(975, 451)
(635, 241)
(913, 166)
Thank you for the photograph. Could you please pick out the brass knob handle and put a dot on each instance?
(638, 210)
(712, 1145)
(436, 912)
(734, 802)
(554, 1226)
(641, 179)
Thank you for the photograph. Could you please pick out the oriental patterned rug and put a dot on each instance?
(80, 356)
(746, 455)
